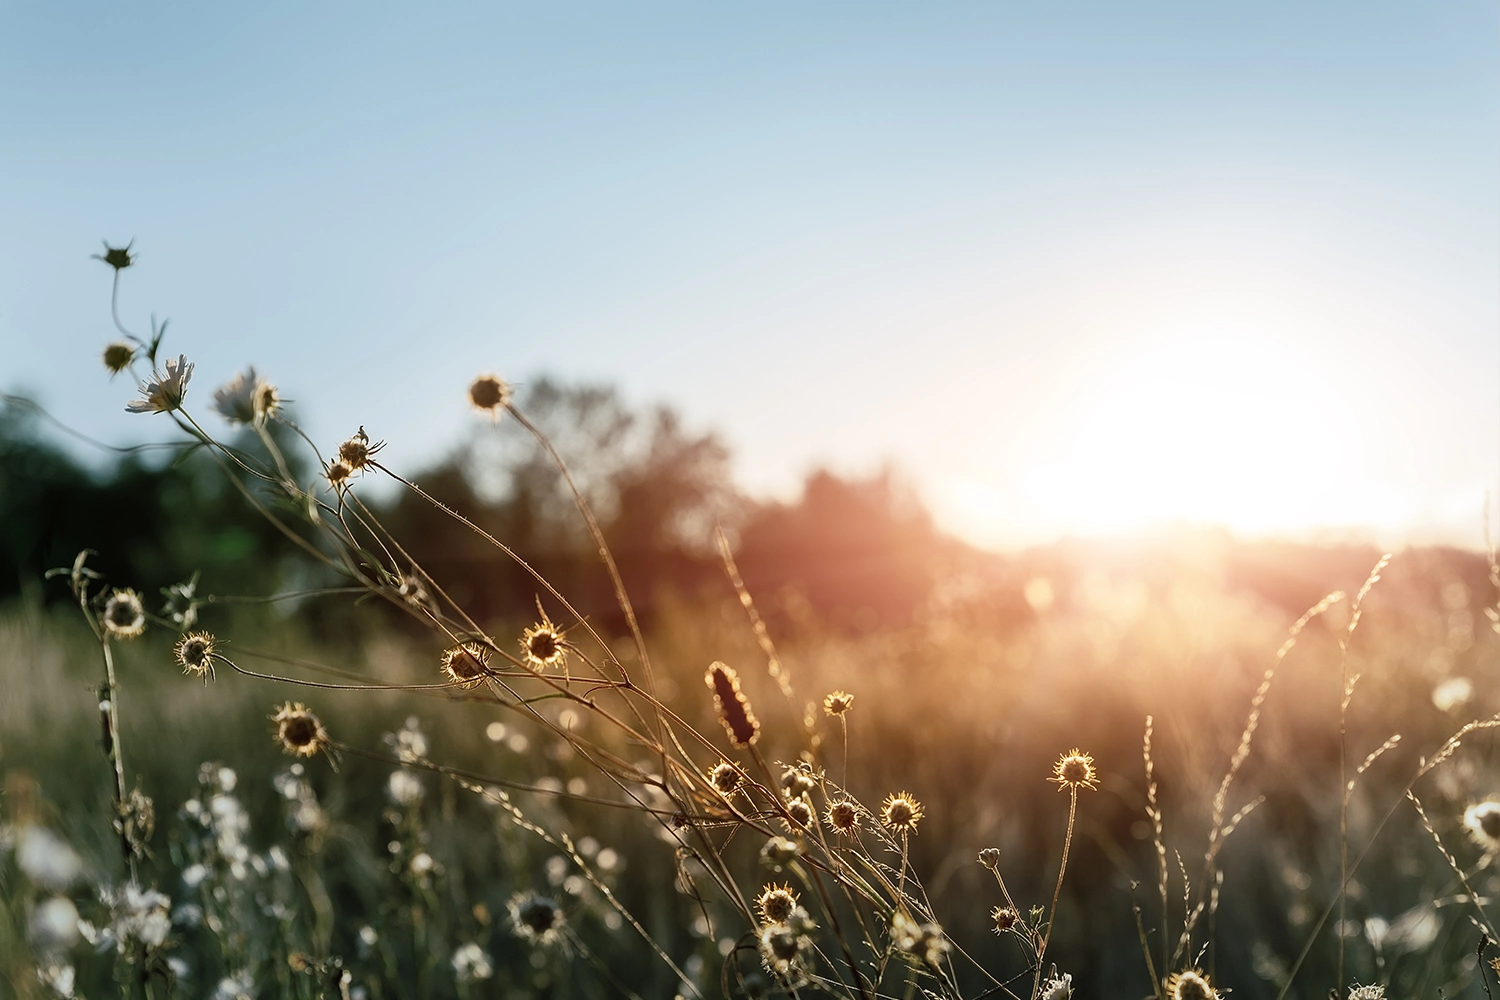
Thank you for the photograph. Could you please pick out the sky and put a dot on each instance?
(1072, 268)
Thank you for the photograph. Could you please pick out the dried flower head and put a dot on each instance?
(784, 951)
(1482, 821)
(338, 473)
(466, 664)
(1074, 770)
(124, 615)
(1190, 985)
(799, 814)
(725, 778)
(544, 645)
(490, 394)
(797, 780)
(843, 816)
(731, 704)
(298, 730)
(838, 703)
(195, 651)
(776, 903)
(1374, 992)
(926, 943)
(164, 392)
(1060, 988)
(118, 355)
(900, 812)
(247, 399)
(535, 919)
(118, 258)
(1004, 917)
(990, 857)
(357, 451)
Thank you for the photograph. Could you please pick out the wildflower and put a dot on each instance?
(799, 815)
(118, 355)
(124, 615)
(118, 258)
(796, 781)
(195, 651)
(470, 964)
(490, 394)
(1483, 823)
(925, 942)
(248, 399)
(181, 604)
(900, 812)
(1190, 985)
(139, 915)
(357, 451)
(732, 706)
(1004, 917)
(776, 903)
(990, 857)
(536, 919)
(163, 393)
(784, 952)
(1074, 770)
(1059, 988)
(725, 778)
(1375, 992)
(778, 852)
(338, 473)
(466, 663)
(299, 731)
(838, 703)
(46, 859)
(542, 645)
(843, 817)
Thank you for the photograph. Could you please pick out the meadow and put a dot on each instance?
(562, 715)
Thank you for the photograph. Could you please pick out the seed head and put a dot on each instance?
(117, 356)
(1190, 985)
(733, 707)
(782, 951)
(795, 780)
(124, 615)
(543, 645)
(990, 857)
(900, 812)
(338, 473)
(838, 703)
(357, 451)
(1004, 917)
(164, 392)
(466, 664)
(490, 394)
(1375, 992)
(776, 903)
(1074, 770)
(195, 652)
(1483, 823)
(535, 919)
(299, 731)
(843, 817)
(799, 815)
(118, 258)
(725, 778)
(778, 852)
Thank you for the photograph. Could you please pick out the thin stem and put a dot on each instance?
(1057, 892)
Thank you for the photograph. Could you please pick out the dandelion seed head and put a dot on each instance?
(536, 919)
(843, 817)
(489, 394)
(1483, 824)
(543, 645)
(1190, 985)
(725, 778)
(776, 903)
(900, 812)
(124, 615)
(299, 731)
(1074, 770)
(466, 664)
(195, 652)
(118, 355)
(838, 703)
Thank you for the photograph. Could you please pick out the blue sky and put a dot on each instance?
(1074, 267)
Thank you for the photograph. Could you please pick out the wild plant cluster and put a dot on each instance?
(799, 879)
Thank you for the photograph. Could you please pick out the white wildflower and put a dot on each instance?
(46, 858)
(470, 963)
(164, 392)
